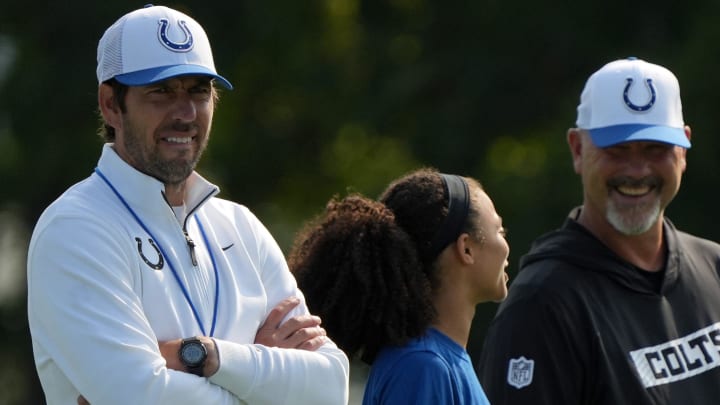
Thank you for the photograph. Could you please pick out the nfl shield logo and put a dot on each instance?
(520, 372)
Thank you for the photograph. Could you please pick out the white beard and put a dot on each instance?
(633, 219)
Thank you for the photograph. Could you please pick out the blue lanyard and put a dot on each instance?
(167, 257)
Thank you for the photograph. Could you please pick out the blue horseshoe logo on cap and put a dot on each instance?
(635, 107)
(175, 46)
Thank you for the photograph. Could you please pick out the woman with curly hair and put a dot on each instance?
(396, 282)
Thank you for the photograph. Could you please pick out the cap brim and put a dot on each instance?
(154, 75)
(615, 134)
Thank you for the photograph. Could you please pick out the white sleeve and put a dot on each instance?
(89, 332)
(263, 375)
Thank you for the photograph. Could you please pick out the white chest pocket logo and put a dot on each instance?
(520, 372)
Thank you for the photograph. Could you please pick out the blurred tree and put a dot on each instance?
(338, 95)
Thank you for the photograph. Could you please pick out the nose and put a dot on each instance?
(185, 109)
(637, 164)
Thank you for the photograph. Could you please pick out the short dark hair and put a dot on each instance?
(105, 131)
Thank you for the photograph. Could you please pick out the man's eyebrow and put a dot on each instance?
(204, 80)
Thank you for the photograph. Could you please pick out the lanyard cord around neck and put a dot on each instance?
(167, 257)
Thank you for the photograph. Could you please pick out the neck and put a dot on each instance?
(454, 316)
(175, 194)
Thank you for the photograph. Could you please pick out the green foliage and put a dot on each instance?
(334, 96)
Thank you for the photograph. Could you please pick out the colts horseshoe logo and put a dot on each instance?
(635, 107)
(175, 46)
(157, 266)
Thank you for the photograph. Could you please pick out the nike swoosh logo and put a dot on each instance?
(228, 247)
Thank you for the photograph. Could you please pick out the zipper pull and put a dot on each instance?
(191, 245)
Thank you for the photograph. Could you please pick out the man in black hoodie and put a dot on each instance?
(617, 306)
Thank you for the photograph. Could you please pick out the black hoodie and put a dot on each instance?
(582, 326)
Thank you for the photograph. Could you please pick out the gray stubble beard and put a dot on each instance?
(635, 219)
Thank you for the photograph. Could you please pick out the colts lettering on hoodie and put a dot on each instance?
(679, 358)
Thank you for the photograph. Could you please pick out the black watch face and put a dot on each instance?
(193, 353)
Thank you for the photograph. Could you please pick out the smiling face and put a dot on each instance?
(627, 185)
(166, 126)
(491, 250)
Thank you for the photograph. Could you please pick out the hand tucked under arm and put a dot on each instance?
(299, 332)
(285, 345)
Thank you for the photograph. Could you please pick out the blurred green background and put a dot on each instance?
(334, 96)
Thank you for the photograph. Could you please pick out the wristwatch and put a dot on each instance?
(193, 354)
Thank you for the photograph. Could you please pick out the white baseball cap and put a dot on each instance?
(632, 100)
(152, 44)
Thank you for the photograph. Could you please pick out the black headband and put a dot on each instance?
(458, 207)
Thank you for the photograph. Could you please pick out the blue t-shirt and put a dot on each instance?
(432, 369)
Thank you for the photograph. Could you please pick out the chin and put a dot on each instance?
(500, 298)
(502, 294)
(494, 296)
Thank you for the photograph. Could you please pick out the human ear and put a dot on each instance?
(575, 140)
(109, 108)
(463, 249)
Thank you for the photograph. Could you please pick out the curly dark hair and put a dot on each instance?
(364, 268)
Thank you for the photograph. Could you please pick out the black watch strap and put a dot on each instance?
(193, 354)
(197, 370)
